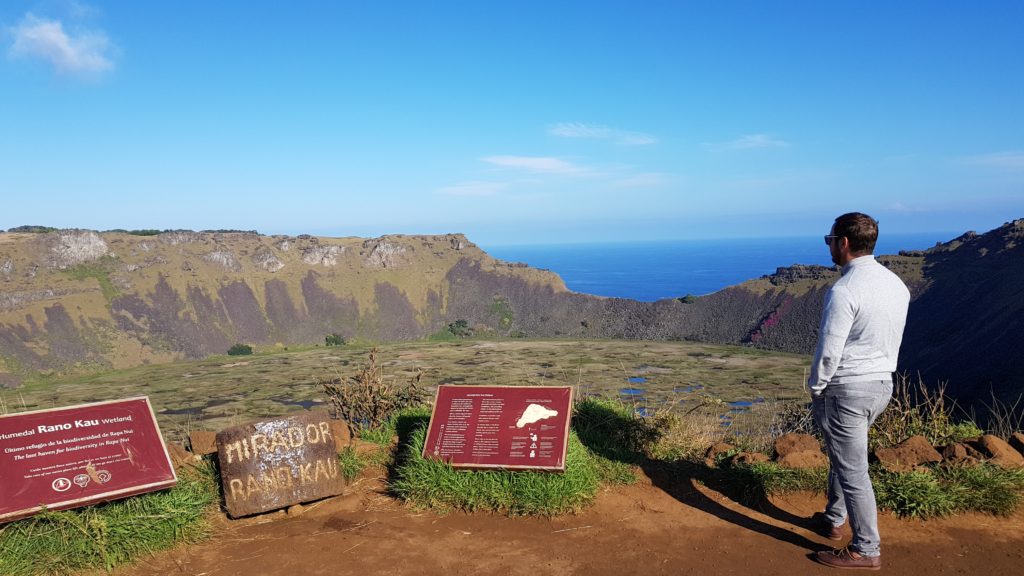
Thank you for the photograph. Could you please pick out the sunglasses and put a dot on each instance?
(829, 237)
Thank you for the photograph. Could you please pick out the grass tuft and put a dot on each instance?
(434, 484)
(612, 430)
(912, 494)
(111, 534)
(946, 490)
(351, 463)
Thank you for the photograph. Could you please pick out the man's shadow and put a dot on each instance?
(615, 436)
(679, 480)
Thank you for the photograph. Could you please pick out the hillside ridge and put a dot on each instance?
(79, 300)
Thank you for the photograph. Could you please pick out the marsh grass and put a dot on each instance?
(223, 391)
(110, 534)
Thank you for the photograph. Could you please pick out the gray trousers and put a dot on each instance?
(844, 412)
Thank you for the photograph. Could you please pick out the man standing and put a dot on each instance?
(851, 382)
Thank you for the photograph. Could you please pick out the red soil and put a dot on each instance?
(640, 529)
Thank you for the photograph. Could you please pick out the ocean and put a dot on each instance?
(650, 271)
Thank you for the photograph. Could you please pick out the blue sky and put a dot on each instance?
(514, 122)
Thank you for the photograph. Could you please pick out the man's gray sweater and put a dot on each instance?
(861, 326)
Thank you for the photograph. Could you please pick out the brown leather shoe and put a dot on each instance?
(844, 558)
(825, 528)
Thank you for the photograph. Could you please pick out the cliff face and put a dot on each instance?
(75, 300)
(78, 300)
(965, 326)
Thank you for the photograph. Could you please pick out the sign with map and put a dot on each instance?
(69, 457)
(510, 427)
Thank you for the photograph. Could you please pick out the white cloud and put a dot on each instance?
(85, 52)
(748, 142)
(539, 164)
(599, 132)
(1009, 160)
(475, 188)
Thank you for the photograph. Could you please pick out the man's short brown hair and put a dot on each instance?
(860, 229)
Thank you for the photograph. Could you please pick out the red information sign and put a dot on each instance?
(68, 457)
(512, 427)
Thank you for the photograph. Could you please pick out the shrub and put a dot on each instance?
(501, 313)
(32, 229)
(334, 340)
(460, 329)
(240, 350)
(365, 401)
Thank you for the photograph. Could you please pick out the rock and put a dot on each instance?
(798, 272)
(178, 237)
(1017, 442)
(12, 300)
(908, 455)
(225, 259)
(180, 457)
(711, 456)
(202, 442)
(749, 458)
(960, 454)
(267, 260)
(69, 248)
(796, 450)
(322, 255)
(295, 510)
(342, 435)
(805, 459)
(383, 254)
(363, 448)
(794, 442)
(999, 452)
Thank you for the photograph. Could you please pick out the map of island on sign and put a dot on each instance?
(68, 457)
(511, 427)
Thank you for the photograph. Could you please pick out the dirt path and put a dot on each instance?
(640, 529)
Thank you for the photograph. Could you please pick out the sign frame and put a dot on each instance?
(151, 485)
(433, 434)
